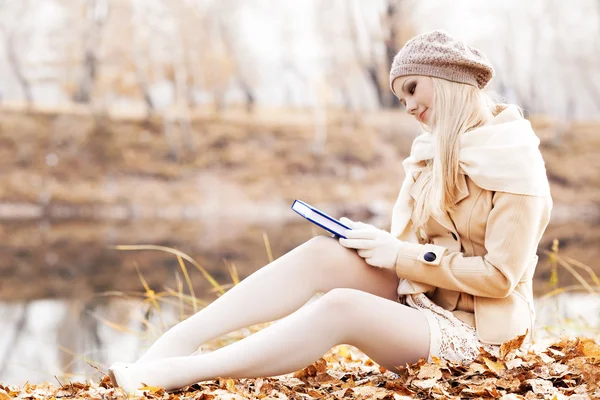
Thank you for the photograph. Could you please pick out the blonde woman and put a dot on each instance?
(454, 274)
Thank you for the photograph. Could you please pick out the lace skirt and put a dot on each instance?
(450, 338)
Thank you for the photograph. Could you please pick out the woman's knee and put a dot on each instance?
(337, 266)
(339, 302)
(322, 242)
(338, 308)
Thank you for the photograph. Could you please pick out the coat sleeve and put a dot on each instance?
(514, 229)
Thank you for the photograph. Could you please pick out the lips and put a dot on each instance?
(422, 115)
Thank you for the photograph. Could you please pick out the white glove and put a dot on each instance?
(378, 247)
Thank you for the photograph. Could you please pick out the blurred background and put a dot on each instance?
(194, 124)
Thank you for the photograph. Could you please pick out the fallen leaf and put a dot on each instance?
(321, 365)
(546, 358)
(344, 352)
(514, 363)
(258, 385)
(429, 371)
(494, 366)
(588, 348)
(541, 386)
(511, 345)
(512, 396)
(425, 383)
(477, 368)
(151, 389)
(555, 352)
(230, 384)
(509, 384)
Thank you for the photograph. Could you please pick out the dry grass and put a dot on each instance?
(188, 303)
(347, 360)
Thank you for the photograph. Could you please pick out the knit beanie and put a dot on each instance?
(439, 55)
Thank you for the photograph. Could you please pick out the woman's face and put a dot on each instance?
(416, 93)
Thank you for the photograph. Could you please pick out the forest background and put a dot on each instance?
(195, 124)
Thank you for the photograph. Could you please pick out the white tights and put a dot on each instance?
(358, 308)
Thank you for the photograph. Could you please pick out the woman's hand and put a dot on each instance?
(378, 247)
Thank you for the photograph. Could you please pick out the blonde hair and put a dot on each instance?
(457, 108)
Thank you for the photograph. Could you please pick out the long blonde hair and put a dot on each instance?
(457, 108)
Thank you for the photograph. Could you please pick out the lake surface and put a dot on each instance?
(68, 298)
(42, 339)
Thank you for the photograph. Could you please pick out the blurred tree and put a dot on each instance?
(398, 29)
(139, 29)
(13, 14)
(367, 59)
(337, 58)
(97, 13)
(229, 34)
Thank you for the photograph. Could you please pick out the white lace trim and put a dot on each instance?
(450, 338)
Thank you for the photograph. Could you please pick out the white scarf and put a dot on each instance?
(501, 156)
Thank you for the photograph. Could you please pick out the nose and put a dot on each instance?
(411, 108)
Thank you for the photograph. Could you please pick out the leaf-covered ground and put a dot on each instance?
(568, 369)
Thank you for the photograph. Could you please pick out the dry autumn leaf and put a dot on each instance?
(514, 363)
(477, 368)
(429, 371)
(511, 345)
(425, 383)
(494, 366)
(588, 348)
(509, 384)
(541, 386)
(152, 389)
(567, 370)
(230, 384)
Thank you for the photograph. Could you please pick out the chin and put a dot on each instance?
(428, 119)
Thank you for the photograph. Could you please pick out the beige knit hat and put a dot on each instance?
(438, 54)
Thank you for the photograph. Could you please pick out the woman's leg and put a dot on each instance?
(274, 291)
(390, 333)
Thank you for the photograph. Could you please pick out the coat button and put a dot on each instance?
(429, 256)
(454, 236)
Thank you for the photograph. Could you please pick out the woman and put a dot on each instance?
(454, 274)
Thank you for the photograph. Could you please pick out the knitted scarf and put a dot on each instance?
(500, 156)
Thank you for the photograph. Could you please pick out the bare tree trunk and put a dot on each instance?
(142, 77)
(173, 153)
(190, 57)
(181, 78)
(367, 64)
(391, 42)
(228, 42)
(10, 39)
(140, 60)
(97, 14)
(182, 106)
(15, 65)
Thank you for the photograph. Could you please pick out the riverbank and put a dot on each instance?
(75, 184)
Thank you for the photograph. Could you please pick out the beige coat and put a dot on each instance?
(481, 259)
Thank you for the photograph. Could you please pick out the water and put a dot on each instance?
(68, 299)
(62, 282)
(44, 339)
